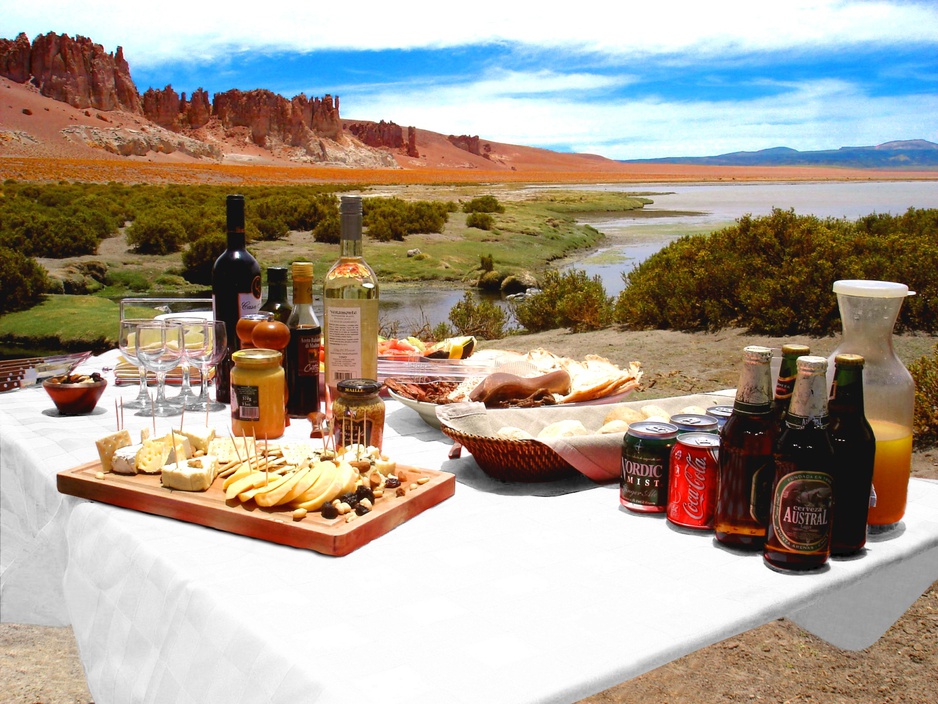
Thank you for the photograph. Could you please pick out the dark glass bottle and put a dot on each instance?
(276, 302)
(302, 363)
(787, 373)
(745, 466)
(799, 531)
(236, 290)
(854, 453)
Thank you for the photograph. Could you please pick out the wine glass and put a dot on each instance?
(214, 347)
(159, 349)
(193, 334)
(127, 341)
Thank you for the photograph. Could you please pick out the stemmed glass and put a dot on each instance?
(127, 341)
(215, 344)
(193, 334)
(159, 349)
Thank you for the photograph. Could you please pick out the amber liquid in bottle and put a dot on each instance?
(302, 362)
(785, 384)
(854, 446)
(799, 531)
(746, 461)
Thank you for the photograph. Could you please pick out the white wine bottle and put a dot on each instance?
(236, 289)
(350, 307)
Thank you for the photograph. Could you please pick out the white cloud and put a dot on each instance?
(177, 30)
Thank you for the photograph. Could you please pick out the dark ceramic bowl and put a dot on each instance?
(75, 399)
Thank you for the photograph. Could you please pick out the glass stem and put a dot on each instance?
(144, 394)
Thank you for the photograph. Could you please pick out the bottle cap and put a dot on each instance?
(359, 387)
(812, 365)
(871, 289)
(302, 270)
(351, 205)
(849, 360)
(276, 274)
(234, 205)
(757, 354)
(796, 350)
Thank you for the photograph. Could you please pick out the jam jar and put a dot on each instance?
(358, 413)
(257, 394)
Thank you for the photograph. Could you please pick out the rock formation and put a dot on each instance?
(378, 134)
(412, 142)
(74, 71)
(466, 143)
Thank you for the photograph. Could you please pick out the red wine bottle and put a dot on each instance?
(236, 290)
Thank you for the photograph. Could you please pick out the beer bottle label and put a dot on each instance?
(801, 511)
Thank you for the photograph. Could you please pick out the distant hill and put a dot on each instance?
(911, 154)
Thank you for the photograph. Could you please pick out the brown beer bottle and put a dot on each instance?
(745, 468)
(854, 452)
(787, 373)
(803, 491)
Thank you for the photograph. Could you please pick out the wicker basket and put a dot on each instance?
(513, 460)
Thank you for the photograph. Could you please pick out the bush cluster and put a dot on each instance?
(483, 319)
(925, 423)
(22, 281)
(773, 275)
(481, 221)
(483, 204)
(569, 299)
(394, 218)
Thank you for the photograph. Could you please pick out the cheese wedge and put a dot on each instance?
(199, 438)
(125, 459)
(180, 449)
(152, 456)
(109, 444)
(196, 474)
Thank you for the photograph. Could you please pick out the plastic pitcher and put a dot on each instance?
(868, 310)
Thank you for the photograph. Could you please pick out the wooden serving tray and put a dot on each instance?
(143, 492)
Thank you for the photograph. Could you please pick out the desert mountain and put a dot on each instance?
(69, 98)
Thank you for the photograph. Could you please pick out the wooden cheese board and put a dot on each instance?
(143, 492)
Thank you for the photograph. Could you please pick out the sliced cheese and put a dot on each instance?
(152, 456)
(109, 444)
(196, 474)
(125, 459)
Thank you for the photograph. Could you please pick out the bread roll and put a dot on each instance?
(614, 426)
(510, 432)
(654, 412)
(698, 410)
(624, 413)
(563, 429)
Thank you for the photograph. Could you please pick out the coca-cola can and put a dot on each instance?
(692, 484)
(646, 453)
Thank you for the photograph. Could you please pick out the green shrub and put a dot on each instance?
(484, 319)
(568, 299)
(490, 281)
(774, 274)
(200, 256)
(480, 221)
(394, 218)
(156, 233)
(22, 281)
(483, 204)
(329, 229)
(925, 425)
(127, 279)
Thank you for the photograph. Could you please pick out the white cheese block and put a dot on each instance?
(196, 474)
(179, 446)
(152, 456)
(124, 460)
(199, 438)
(109, 444)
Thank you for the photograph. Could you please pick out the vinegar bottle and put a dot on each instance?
(276, 302)
(745, 463)
(801, 513)
(854, 453)
(236, 290)
(350, 307)
(302, 363)
(869, 310)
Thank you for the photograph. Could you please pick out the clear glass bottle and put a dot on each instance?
(277, 302)
(302, 363)
(350, 307)
(868, 310)
(745, 464)
(799, 530)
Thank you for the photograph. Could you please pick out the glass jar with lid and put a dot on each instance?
(257, 394)
(358, 413)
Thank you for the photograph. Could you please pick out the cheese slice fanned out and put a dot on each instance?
(109, 444)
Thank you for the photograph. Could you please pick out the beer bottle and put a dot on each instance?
(854, 451)
(786, 380)
(799, 531)
(745, 467)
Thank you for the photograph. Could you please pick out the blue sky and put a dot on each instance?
(625, 80)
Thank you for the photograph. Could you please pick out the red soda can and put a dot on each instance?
(692, 485)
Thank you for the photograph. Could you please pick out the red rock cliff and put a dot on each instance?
(74, 71)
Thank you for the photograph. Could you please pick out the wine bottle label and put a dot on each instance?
(801, 508)
(307, 351)
(245, 403)
(250, 303)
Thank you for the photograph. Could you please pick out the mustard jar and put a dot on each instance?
(257, 394)
(358, 413)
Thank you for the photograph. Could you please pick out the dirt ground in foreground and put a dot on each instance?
(778, 662)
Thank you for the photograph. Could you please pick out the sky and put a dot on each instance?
(622, 79)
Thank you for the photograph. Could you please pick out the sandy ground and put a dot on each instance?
(776, 663)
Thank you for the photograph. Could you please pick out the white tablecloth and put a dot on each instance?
(502, 593)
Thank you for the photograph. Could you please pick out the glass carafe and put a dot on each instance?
(868, 310)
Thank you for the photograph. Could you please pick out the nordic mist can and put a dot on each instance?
(646, 458)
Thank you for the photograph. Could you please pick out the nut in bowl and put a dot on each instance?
(75, 394)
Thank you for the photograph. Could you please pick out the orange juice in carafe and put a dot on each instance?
(891, 470)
